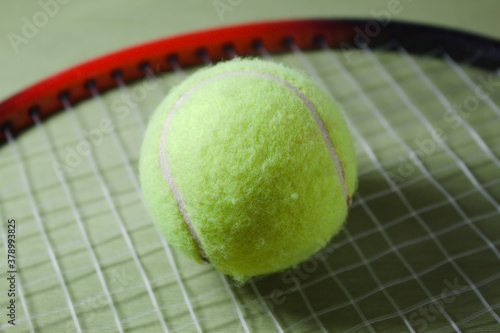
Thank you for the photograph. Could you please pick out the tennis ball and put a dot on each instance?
(248, 165)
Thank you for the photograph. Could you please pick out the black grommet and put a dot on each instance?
(89, 84)
(116, 73)
(63, 95)
(172, 58)
(34, 110)
(201, 52)
(143, 65)
(319, 39)
(288, 41)
(257, 44)
(6, 126)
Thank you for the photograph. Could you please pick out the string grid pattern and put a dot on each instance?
(420, 250)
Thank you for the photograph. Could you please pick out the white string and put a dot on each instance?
(177, 68)
(367, 199)
(384, 89)
(351, 267)
(151, 78)
(261, 300)
(125, 92)
(427, 302)
(264, 53)
(473, 86)
(447, 105)
(342, 243)
(400, 195)
(430, 130)
(135, 183)
(392, 284)
(204, 56)
(348, 294)
(361, 202)
(233, 300)
(117, 217)
(472, 317)
(79, 222)
(36, 215)
(424, 170)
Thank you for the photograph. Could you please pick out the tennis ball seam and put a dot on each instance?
(164, 165)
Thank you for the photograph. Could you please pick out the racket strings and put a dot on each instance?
(373, 217)
(365, 170)
(151, 77)
(448, 106)
(81, 226)
(470, 83)
(442, 144)
(369, 54)
(351, 239)
(106, 195)
(39, 224)
(395, 283)
(308, 66)
(133, 179)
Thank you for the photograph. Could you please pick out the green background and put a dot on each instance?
(84, 29)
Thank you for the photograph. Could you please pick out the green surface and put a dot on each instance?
(402, 247)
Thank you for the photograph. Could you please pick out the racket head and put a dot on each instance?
(361, 281)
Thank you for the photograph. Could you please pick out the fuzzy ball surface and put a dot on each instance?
(248, 165)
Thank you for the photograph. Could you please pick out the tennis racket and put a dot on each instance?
(421, 247)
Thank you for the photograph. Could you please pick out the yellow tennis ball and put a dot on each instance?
(248, 165)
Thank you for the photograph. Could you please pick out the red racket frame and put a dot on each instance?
(45, 96)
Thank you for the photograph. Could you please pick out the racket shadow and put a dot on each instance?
(361, 281)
